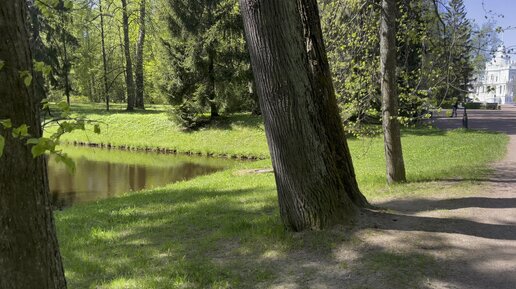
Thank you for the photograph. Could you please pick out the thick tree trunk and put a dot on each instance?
(312, 164)
(129, 81)
(391, 126)
(104, 57)
(29, 251)
(139, 60)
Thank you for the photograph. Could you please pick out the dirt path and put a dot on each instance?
(472, 238)
(466, 242)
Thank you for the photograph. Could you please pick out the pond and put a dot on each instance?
(104, 173)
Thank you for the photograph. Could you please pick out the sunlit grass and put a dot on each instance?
(224, 230)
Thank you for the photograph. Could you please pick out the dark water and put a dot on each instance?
(97, 178)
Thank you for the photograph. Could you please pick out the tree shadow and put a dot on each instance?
(233, 238)
(422, 205)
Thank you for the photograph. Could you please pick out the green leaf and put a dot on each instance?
(41, 146)
(6, 123)
(2, 145)
(68, 4)
(2, 63)
(27, 80)
(37, 150)
(96, 128)
(27, 77)
(42, 67)
(69, 163)
(33, 141)
(21, 131)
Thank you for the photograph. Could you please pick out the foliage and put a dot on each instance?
(208, 65)
(49, 144)
(434, 58)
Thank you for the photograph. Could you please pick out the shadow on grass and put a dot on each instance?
(100, 109)
(422, 205)
(226, 238)
(228, 122)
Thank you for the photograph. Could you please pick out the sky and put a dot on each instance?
(507, 8)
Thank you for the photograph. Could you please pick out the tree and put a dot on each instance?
(104, 57)
(460, 68)
(208, 62)
(391, 127)
(29, 251)
(311, 159)
(139, 59)
(129, 80)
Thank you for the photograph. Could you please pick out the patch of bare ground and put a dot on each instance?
(445, 240)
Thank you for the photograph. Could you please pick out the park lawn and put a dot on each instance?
(223, 230)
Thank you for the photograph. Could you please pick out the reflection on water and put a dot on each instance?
(99, 179)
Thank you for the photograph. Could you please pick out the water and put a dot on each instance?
(102, 174)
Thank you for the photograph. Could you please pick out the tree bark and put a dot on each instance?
(129, 81)
(29, 251)
(66, 61)
(391, 128)
(140, 88)
(252, 93)
(214, 110)
(104, 57)
(37, 48)
(312, 164)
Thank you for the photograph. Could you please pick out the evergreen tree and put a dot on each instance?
(208, 58)
(458, 36)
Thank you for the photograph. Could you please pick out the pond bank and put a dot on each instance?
(161, 150)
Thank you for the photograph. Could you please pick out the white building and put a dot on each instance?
(498, 81)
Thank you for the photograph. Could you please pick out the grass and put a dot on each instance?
(224, 230)
(240, 135)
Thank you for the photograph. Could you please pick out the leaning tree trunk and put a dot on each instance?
(29, 251)
(391, 126)
(129, 81)
(140, 88)
(314, 173)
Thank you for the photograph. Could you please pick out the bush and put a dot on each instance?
(493, 105)
(473, 105)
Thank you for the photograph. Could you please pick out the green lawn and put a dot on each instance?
(223, 230)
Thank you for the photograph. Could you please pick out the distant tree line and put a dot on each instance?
(192, 54)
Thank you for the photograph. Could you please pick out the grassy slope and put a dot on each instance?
(223, 230)
(241, 135)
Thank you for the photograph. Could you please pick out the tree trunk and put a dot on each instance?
(38, 49)
(311, 159)
(391, 127)
(214, 110)
(139, 60)
(66, 61)
(252, 93)
(29, 251)
(129, 81)
(104, 57)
